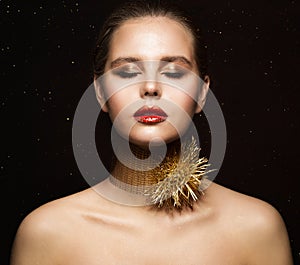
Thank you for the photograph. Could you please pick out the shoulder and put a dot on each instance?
(45, 230)
(257, 226)
(244, 211)
(58, 213)
(243, 206)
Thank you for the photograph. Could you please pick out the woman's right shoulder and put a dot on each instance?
(46, 229)
(58, 212)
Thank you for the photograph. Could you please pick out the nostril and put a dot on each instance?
(151, 93)
(155, 94)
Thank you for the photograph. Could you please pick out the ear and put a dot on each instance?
(100, 94)
(202, 94)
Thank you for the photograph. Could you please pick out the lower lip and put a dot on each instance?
(153, 119)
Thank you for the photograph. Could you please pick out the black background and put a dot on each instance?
(46, 59)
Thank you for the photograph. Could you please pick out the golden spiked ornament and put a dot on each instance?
(180, 178)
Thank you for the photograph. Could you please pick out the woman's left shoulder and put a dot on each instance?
(242, 205)
(256, 224)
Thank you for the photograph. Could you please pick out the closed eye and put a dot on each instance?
(125, 74)
(174, 75)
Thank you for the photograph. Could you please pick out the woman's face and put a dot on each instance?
(151, 83)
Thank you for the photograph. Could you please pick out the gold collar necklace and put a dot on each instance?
(177, 182)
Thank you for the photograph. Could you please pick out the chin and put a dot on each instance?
(157, 135)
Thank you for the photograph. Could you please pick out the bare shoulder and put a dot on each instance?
(258, 225)
(44, 231)
(244, 206)
(57, 213)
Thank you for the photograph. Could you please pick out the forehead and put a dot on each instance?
(151, 38)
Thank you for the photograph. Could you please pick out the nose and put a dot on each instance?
(151, 89)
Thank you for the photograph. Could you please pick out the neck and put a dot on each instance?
(175, 183)
(135, 176)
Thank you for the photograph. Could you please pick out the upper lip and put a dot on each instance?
(150, 111)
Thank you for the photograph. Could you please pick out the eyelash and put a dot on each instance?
(172, 75)
(124, 74)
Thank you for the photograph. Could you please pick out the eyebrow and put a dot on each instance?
(122, 60)
(172, 59)
(177, 59)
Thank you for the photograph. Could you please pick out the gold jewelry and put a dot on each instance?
(183, 179)
(178, 181)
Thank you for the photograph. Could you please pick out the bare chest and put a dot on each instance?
(148, 247)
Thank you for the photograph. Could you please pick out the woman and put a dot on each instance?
(219, 227)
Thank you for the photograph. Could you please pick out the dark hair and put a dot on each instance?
(144, 8)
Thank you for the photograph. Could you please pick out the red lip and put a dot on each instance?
(150, 115)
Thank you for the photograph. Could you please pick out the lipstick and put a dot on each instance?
(149, 115)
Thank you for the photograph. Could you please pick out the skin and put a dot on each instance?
(142, 44)
(225, 227)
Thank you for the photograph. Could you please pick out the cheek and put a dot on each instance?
(185, 96)
(115, 105)
(118, 102)
(185, 102)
